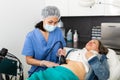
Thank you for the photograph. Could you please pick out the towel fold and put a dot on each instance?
(55, 73)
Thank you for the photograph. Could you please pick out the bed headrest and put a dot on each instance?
(114, 64)
(111, 53)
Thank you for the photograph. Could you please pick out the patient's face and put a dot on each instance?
(92, 45)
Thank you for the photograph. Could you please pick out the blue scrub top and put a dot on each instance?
(36, 46)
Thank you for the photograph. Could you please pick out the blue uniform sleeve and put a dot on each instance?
(28, 48)
(100, 67)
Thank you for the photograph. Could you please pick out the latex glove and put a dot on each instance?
(48, 63)
(61, 52)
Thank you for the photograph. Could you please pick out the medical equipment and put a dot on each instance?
(69, 35)
(110, 35)
(9, 65)
(62, 59)
(75, 36)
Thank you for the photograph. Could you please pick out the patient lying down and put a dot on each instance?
(79, 62)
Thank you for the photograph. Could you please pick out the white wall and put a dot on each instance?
(17, 18)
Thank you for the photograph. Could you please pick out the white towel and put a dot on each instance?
(79, 55)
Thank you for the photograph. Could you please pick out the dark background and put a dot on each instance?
(84, 24)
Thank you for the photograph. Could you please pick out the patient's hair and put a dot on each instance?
(102, 48)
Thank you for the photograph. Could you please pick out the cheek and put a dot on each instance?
(95, 48)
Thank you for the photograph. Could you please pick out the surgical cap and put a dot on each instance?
(50, 11)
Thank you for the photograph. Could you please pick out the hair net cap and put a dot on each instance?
(50, 11)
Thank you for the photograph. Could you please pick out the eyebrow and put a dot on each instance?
(52, 21)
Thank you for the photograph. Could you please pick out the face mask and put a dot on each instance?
(49, 28)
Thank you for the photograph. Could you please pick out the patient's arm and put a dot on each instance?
(100, 67)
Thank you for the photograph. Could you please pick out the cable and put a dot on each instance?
(61, 57)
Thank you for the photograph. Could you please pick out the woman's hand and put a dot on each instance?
(61, 52)
(48, 63)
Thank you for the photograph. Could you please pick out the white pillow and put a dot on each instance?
(114, 65)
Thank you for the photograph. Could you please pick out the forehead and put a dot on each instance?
(52, 18)
(95, 41)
